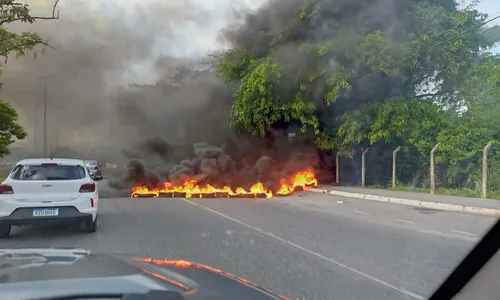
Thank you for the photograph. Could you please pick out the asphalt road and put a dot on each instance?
(309, 246)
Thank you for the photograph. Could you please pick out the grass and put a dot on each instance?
(464, 192)
(4, 174)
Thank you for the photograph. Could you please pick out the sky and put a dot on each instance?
(205, 39)
(221, 9)
(492, 8)
(202, 38)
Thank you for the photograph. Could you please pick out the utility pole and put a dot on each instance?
(35, 132)
(45, 118)
(45, 79)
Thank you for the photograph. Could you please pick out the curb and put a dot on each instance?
(412, 202)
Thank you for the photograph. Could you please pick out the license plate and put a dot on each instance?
(46, 212)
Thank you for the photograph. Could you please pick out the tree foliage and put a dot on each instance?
(465, 135)
(342, 62)
(9, 127)
(20, 44)
(355, 78)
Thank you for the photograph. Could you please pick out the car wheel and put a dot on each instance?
(91, 226)
(5, 231)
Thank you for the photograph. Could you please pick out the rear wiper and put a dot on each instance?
(151, 295)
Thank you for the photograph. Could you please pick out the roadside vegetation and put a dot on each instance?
(472, 188)
(422, 77)
(3, 174)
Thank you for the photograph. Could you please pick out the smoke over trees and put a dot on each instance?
(347, 74)
(353, 71)
(361, 74)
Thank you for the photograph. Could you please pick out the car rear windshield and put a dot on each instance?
(48, 172)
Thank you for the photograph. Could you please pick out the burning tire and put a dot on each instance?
(191, 189)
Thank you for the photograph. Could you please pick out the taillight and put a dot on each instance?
(88, 188)
(6, 189)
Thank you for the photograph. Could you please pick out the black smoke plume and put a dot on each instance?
(122, 75)
(125, 85)
(212, 165)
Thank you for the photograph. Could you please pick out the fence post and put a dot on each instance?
(485, 170)
(363, 167)
(432, 173)
(394, 154)
(337, 169)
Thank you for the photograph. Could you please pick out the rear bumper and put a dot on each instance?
(24, 216)
(15, 211)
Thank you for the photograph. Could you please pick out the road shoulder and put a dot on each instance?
(458, 204)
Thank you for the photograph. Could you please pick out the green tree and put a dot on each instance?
(353, 80)
(12, 11)
(468, 132)
(465, 134)
(20, 44)
(9, 127)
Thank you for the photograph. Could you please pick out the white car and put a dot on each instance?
(47, 190)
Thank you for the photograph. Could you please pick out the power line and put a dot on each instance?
(436, 45)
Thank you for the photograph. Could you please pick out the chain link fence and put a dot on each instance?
(406, 168)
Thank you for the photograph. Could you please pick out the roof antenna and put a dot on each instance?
(51, 153)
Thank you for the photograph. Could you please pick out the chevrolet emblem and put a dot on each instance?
(46, 185)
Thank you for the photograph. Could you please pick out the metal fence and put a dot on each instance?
(406, 166)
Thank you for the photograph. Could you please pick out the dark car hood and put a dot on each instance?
(53, 272)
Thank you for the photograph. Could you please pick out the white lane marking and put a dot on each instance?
(463, 232)
(405, 221)
(361, 212)
(269, 234)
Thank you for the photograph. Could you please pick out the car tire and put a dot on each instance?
(5, 231)
(91, 226)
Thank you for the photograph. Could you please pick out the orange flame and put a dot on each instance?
(189, 188)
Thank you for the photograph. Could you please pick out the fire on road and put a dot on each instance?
(191, 189)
